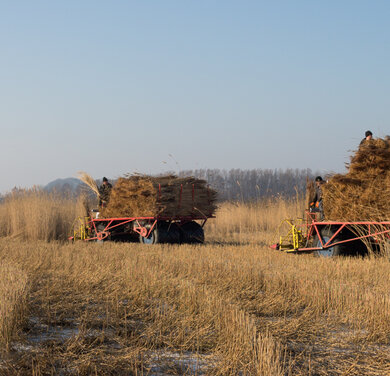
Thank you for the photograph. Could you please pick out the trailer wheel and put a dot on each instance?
(192, 232)
(153, 238)
(326, 235)
(164, 232)
(169, 233)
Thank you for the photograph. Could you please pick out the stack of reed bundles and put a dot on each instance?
(170, 196)
(363, 193)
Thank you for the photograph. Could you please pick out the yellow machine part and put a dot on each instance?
(81, 230)
(294, 238)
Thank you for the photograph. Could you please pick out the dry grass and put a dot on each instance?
(229, 307)
(256, 222)
(13, 297)
(37, 215)
(246, 309)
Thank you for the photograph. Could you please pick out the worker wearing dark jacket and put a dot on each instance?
(316, 205)
(368, 137)
(104, 192)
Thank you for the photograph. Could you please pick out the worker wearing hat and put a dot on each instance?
(316, 205)
(368, 137)
(104, 192)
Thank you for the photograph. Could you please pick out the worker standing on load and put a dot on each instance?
(316, 205)
(104, 193)
(368, 137)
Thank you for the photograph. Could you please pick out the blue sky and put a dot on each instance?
(148, 86)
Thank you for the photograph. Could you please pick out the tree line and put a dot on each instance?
(251, 185)
(231, 185)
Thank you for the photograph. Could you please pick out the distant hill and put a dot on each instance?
(67, 185)
(70, 186)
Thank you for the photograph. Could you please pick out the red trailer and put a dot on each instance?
(147, 230)
(332, 238)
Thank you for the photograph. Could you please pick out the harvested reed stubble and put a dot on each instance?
(142, 195)
(363, 193)
(13, 296)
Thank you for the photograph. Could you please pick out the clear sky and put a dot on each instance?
(111, 87)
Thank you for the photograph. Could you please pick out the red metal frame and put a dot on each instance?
(143, 230)
(314, 227)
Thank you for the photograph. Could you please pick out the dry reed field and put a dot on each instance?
(33, 214)
(231, 306)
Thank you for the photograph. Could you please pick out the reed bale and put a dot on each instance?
(143, 196)
(131, 195)
(363, 193)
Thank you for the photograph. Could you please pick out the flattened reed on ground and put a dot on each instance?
(363, 193)
(142, 195)
(13, 301)
(254, 311)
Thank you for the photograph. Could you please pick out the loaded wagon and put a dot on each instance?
(151, 210)
(146, 230)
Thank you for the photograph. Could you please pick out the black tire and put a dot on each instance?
(192, 233)
(164, 232)
(169, 233)
(335, 251)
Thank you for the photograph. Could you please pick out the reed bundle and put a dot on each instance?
(142, 195)
(89, 181)
(363, 193)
